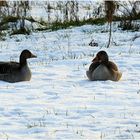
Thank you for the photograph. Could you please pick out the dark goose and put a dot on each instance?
(103, 69)
(14, 71)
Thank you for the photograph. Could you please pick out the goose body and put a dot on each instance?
(103, 69)
(14, 71)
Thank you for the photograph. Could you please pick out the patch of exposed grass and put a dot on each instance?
(21, 31)
(2, 36)
(126, 25)
(66, 24)
(4, 24)
(58, 24)
(128, 22)
(8, 19)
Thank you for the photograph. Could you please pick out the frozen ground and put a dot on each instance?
(59, 102)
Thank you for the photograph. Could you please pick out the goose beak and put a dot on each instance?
(33, 56)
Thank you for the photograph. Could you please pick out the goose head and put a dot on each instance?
(26, 54)
(101, 56)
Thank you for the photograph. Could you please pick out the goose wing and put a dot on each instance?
(8, 67)
(112, 65)
(93, 66)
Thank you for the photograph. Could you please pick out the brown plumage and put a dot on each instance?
(14, 71)
(103, 69)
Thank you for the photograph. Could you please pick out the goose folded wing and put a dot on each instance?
(8, 67)
(113, 66)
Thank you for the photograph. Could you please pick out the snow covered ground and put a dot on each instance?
(59, 102)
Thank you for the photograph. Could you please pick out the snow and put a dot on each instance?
(60, 102)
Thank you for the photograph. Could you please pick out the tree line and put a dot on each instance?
(14, 14)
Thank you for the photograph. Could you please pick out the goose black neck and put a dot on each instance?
(23, 61)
